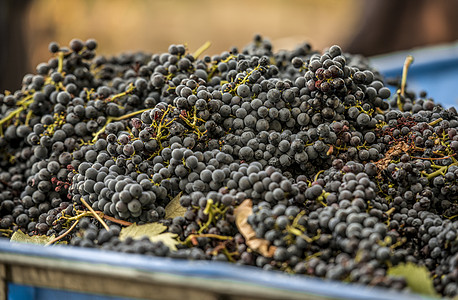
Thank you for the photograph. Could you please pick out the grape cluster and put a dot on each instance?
(345, 179)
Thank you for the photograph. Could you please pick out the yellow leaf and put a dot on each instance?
(169, 239)
(417, 277)
(138, 231)
(21, 237)
(174, 209)
(154, 231)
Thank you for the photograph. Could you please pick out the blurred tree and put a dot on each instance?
(13, 52)
(392, 25)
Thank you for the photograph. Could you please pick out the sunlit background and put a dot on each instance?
(27, 26)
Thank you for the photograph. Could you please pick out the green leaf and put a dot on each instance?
(174, 209)
(154, 231)
(21, 237)
(417, 277)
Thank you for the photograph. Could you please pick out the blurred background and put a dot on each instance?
(359, 26)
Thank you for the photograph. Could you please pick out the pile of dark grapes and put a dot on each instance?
(345, 179)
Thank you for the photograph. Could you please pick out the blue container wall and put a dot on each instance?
(27, 292)
(434, 70)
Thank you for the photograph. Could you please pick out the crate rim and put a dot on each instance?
(205, 270)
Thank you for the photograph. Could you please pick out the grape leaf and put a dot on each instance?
(262, 246)
(21, 237)
(167, 238)
(154, 231)
(417, 277)
(174, 209)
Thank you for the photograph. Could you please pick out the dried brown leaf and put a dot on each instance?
(262, 246)
(395, 151)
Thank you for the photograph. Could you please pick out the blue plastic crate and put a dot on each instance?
(434, 70)
(24, 292)
(225, 280)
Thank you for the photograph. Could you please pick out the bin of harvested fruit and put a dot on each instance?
(252, 174)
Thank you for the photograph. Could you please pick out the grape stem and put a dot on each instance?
(95, 214)
(209, 235)
(63, 235)
(228, 255)
(318, 174)
(193, 124)
(60, 60)
(101, 214)
(440, 171)
(435, 122)
(15, 112)
(111, 119)
(208, 211)
(434, 158)
(299, 233)
(28, 97)
(192, 237)
(390, 211)
(405, 70)
(401, 92)
(28, 117)
(322, 197)
(114, 220)
(129, 90)
(316, 254)
(6, 232)
(214, 68)
(77, 217)
(201, 49)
